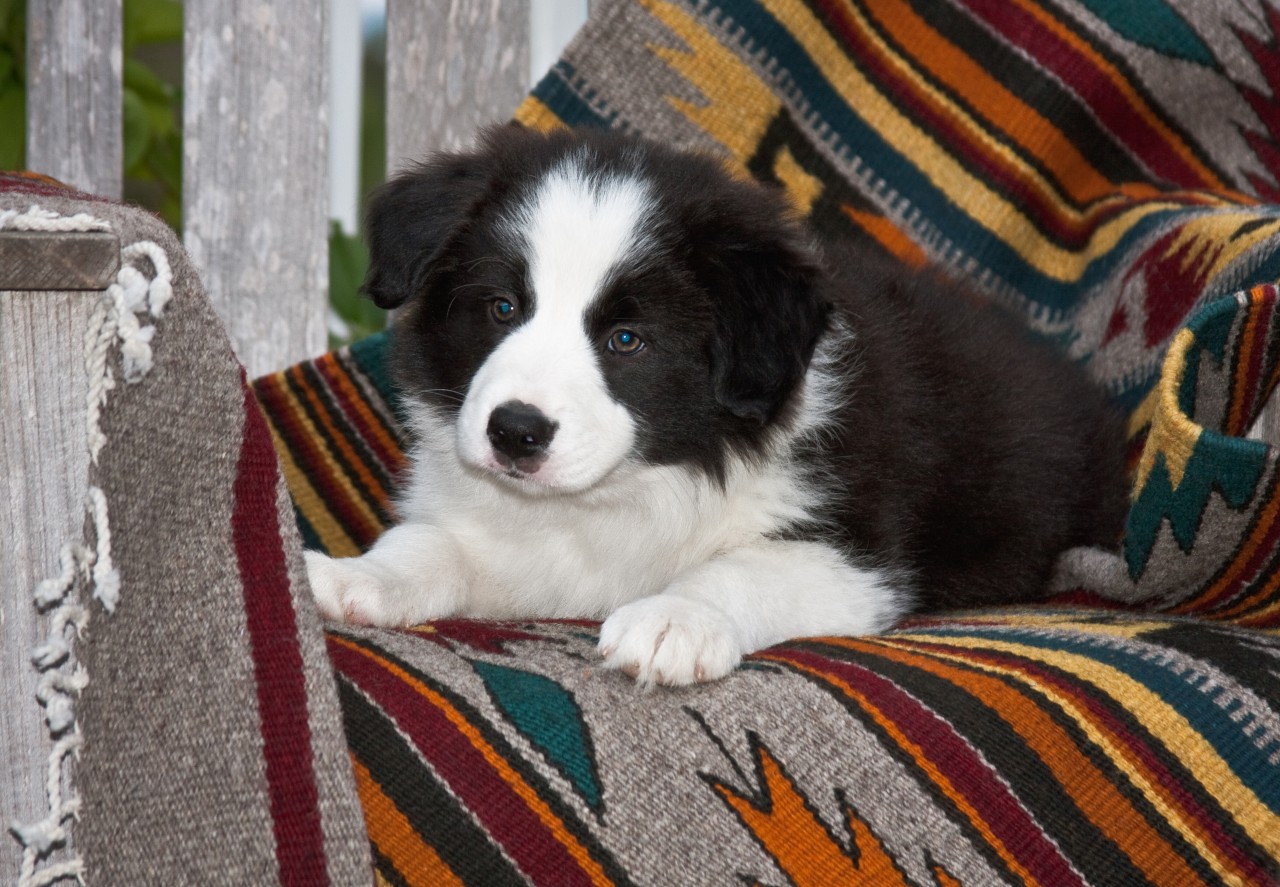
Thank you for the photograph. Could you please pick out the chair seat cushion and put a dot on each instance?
(1042, 745)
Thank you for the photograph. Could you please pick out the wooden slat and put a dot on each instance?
(451, 68)
(44, 467)
(75, 260)
(254, 165)
(74, 91)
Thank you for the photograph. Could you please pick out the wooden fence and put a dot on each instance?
(255, 134)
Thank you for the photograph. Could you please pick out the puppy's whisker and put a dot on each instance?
(454, 294)
(498, 259)
(447, 393)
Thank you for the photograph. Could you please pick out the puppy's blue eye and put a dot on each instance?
(625, 342)
(502, 310)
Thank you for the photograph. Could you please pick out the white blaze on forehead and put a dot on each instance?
(575, 229)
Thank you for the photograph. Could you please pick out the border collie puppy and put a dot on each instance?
(640, 391)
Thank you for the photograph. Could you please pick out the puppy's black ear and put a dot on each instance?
(769, 316)
(412, 217)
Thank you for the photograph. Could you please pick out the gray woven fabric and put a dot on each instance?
(179, 716)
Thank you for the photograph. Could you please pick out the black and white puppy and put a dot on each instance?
(640, 391)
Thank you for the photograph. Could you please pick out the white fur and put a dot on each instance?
(743, 600)
(575, 232)
(684, 572)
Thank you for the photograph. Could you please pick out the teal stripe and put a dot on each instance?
(1228, 466)
(1141, 662)
(558, 92)
(310, 539)
(549, 717)
(1269, 269)
(1155, 25)
(371, 356)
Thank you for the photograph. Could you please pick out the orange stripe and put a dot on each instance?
(991, 99)
(1240, 380)
(335, 539)
(918, 754)
(888, 235)
(1241, 608)
(1097, 797)
(1267, 619)
(526, 792)
(342, 500)
(354, 398)
(336, 437)
(795, 836)
(415, 861)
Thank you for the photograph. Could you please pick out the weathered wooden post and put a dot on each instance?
(451, 68)
(74, 64)
(255, 202)
(50, 286)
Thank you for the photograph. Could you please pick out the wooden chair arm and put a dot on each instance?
(50, 284)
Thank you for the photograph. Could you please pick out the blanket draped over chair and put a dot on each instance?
(1109, 171)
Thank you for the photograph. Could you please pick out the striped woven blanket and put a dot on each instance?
(1112, 172)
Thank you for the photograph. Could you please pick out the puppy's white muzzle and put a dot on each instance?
(567, 432)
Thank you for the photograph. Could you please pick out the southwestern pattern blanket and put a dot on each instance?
(1110, 172)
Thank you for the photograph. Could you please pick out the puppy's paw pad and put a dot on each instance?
(670, 641)
(346, 591)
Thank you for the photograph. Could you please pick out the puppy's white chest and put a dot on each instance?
(564, 557)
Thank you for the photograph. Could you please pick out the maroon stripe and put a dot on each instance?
(327, 457)
(331, 370)
(1107, 102)
(277, 657)
(956, 759)
(39, 185)
(310, 454)
(493, 801)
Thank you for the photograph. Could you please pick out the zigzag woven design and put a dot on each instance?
(1108, 170)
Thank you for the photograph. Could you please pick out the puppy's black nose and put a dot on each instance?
(519, 430)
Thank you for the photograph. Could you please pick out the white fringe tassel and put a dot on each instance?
(37, 219)
(116, 319)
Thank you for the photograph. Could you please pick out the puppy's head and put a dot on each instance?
(576, 301)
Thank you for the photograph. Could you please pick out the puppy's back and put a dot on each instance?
(973, 452)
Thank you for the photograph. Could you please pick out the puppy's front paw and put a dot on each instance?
(350, 590)
(669, 640)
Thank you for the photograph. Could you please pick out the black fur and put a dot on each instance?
(967, 454)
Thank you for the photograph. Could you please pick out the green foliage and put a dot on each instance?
(152, 123)
(151, 104)
(348, 262)
(152, 110)
(13, 90)
(151, 21)
(348, 256)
